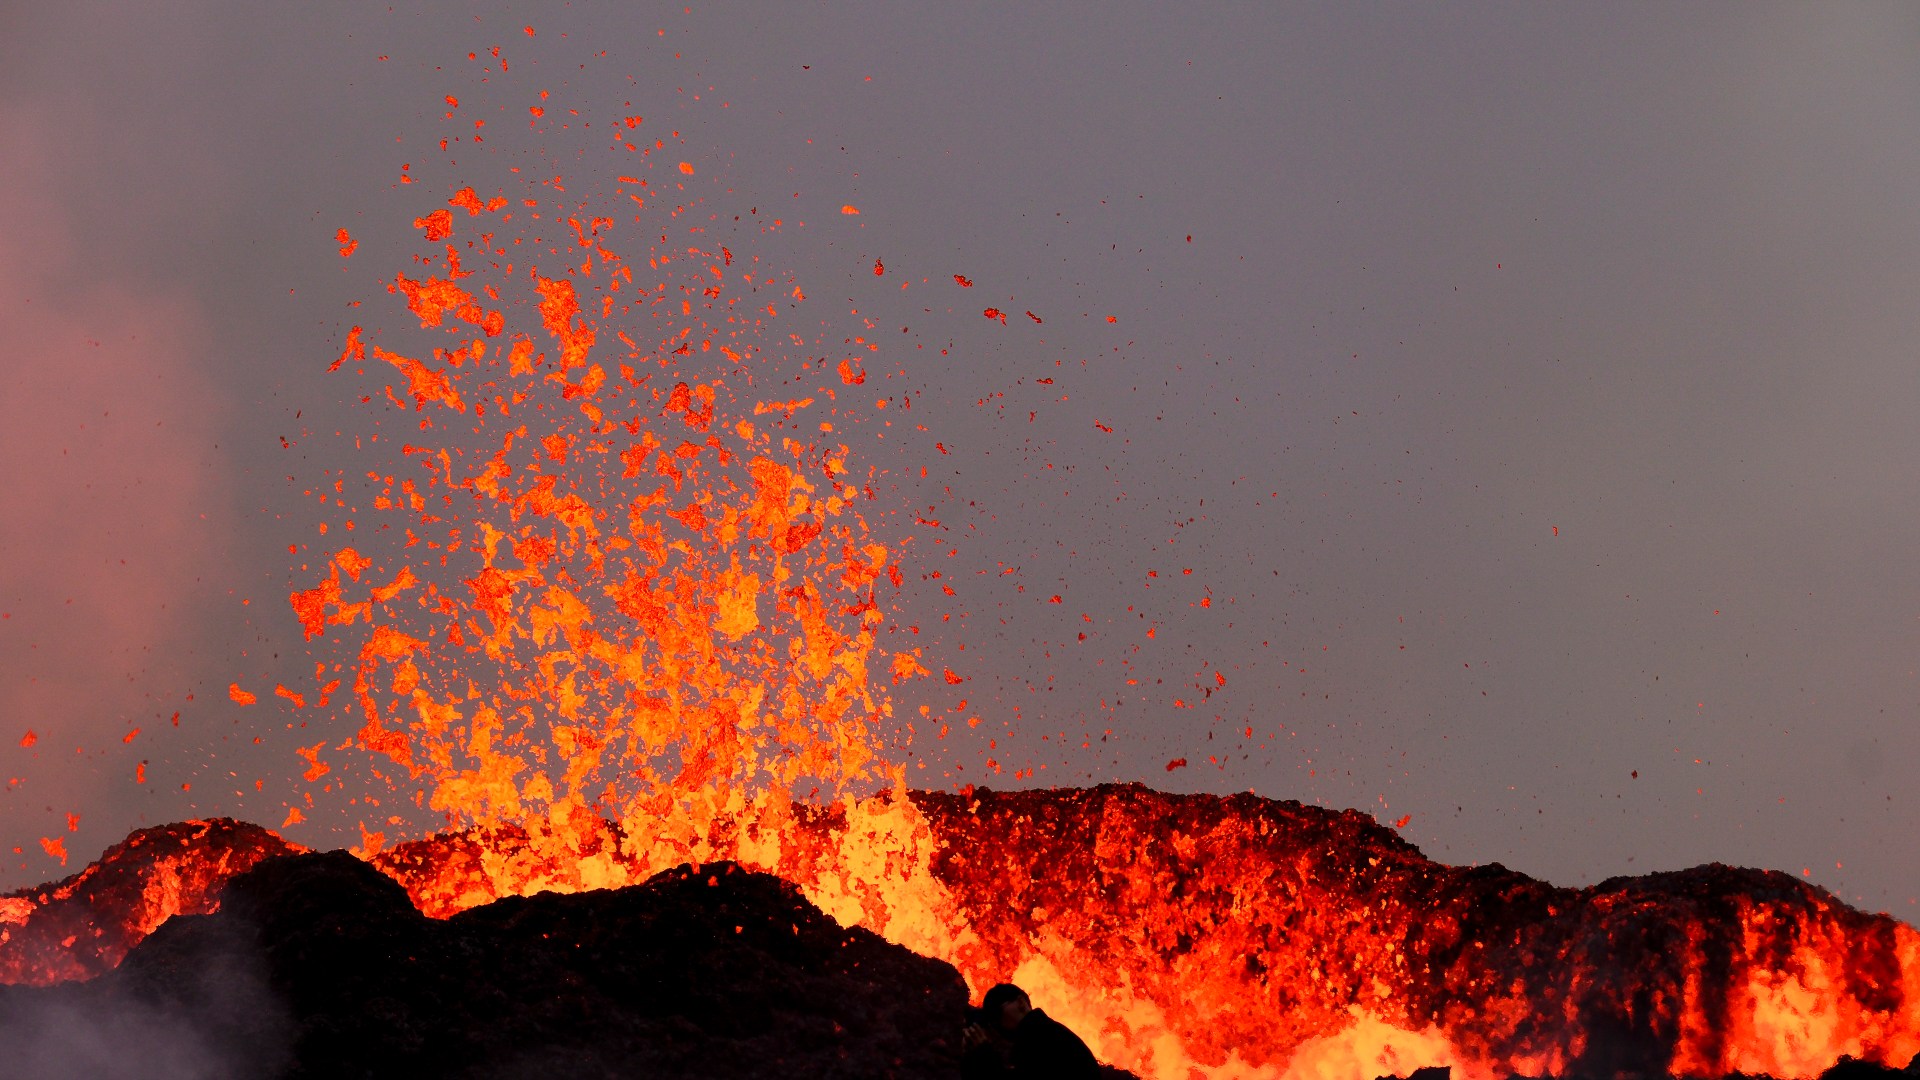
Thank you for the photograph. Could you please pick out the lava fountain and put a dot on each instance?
(618, 602)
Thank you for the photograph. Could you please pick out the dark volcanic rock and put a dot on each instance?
(1853, 1069)
(319, 966)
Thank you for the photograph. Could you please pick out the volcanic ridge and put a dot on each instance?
(1170, 930)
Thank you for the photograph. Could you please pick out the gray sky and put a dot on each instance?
(1531, 399)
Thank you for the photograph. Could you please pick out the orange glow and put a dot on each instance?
(438, 225)
(657, 616)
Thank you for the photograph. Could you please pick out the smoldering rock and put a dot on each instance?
(715, 971)
(81, 926)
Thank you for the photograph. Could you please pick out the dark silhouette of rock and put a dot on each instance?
(714, 971)
(1850, 1068)
(1431, 1072)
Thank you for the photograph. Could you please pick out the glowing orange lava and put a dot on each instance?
(627, 589)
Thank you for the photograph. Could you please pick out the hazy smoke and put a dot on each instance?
(58, 1040)
(220, 1021)
(109, 487)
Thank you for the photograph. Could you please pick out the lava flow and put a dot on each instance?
(615, 606)
(1238, 936)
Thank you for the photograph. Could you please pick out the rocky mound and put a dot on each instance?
(319, 966)
(78, 927)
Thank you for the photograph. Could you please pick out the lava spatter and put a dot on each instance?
(624, 592)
